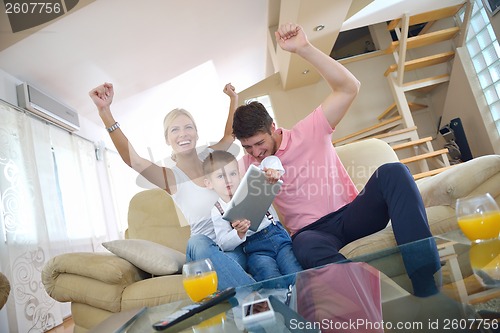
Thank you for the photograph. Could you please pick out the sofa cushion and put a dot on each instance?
(151, 257)
(86, 316)
(361, 159)
(152, 292)
(152, 215)
(375, 242)
(96, 279)
(476, 176)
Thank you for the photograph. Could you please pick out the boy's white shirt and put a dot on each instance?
(226, 237)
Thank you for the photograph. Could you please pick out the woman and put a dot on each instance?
(184, 182)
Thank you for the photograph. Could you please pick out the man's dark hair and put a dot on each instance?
(250, 119)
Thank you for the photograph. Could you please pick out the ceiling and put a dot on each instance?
(180, 45)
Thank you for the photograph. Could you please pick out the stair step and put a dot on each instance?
(416, 106)
(394, 133)
(430, 172)
(431, 60)
(424, 156)
(425, 39)
(387, 111)
(392, 108)
(429, 16)
(412, 143)
(382, 126)
(427, 83)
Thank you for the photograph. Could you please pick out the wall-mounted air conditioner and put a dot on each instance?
(46, 107)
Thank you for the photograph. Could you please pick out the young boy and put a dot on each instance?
(269, 249)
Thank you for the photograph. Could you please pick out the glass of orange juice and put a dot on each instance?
(199, 279)
(485, 262)
(478, 217)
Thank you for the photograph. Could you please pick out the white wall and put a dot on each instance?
(466, 101)
(8, 85)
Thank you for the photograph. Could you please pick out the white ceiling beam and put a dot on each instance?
(309, 14)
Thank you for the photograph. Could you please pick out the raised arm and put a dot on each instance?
(102, 96)
(344, 85)
(228, 138)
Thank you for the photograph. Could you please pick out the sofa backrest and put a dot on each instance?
(153, 216)
(362, 158)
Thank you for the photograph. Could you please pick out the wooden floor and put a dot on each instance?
(66, 327)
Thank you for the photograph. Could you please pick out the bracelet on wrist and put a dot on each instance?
(113, 127)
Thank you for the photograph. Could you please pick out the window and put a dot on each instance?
(266, 101)
(485, 54)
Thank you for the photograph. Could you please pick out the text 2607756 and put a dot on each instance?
(32, 7)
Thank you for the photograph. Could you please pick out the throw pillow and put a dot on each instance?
(151, 257)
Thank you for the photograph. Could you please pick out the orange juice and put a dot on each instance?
(481, 227)
(485, 257)
(485, 254)
(200, 286)
(213, 324)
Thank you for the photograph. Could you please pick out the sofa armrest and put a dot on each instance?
(96, 279)
(479, 175)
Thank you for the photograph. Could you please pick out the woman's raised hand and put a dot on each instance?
(229, 90)
(102, 96)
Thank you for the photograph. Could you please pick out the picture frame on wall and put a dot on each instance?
(492, 6)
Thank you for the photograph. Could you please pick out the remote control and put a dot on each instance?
(192, 309)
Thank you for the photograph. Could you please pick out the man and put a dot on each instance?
(320, 205)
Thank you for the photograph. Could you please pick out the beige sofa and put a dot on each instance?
(100, 284)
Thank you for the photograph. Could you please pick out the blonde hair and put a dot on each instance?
(169, 118)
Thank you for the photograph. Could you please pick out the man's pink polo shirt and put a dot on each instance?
(315, 182)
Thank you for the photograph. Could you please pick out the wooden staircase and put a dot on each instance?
(396, 123)
(415, 64)
(426, 39)
(368, 132)
(392, 110)
(423, 150)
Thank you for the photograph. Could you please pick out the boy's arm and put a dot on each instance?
(226, 237)
(344, 85)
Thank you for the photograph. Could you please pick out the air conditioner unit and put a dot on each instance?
(46, 107)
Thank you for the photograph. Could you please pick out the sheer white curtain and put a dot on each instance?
(50, 203)
(124, 185)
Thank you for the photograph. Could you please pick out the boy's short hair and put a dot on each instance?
(217, 160)
(250, 119)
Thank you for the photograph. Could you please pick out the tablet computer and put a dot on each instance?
(252, 198)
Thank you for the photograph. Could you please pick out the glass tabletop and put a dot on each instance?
(370, 293)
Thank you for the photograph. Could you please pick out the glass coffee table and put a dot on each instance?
(370, 293)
